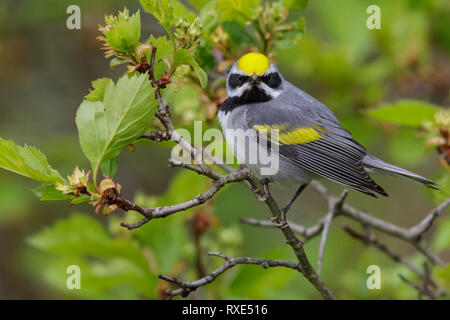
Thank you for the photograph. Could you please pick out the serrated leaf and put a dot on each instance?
(410, 113)
(98, 92)
(124, 31)
(185, 57)
(240, 11)
(106, 127)
(160, 9)
(167, 11)
(27, 161)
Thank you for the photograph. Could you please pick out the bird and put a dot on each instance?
(310, 142)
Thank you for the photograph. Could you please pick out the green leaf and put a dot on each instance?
(203, 54)
(295, 4)
(209, 18)
(160, 9)
(240, 11)
(185, 57)
(50, 193)
(164, 54)
(238, 34)
(98, 92)
(81, 199)
(106, 127)
(410, 113)
(124, 31)
(27, 161)
(109, 167)
(167, 11)
(117, 62)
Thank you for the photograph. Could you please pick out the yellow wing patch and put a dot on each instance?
(254, 63)
(299, 135)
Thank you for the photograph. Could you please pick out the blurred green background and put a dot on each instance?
(46, 69)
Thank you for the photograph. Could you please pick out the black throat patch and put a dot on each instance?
(252, 95)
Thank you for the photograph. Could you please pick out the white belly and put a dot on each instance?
(263, 162)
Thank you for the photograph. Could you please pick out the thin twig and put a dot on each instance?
(162, 212)
(421, 290)
(370, 238)
(186, 287)
(413, 235)
(306, 232)
(334, 207)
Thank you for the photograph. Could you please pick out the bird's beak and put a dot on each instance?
(255, 79)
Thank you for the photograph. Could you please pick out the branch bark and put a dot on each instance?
(412, 235)
(334, 208)
(186, 287)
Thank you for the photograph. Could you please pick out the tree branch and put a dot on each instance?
(370, 238)
(162, 212)
(186, 287)
(412, 235)
(334, 207)
(297, 246)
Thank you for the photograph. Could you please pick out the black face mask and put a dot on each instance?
(252, 95)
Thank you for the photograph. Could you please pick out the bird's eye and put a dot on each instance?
(273, 80)
(236, 80)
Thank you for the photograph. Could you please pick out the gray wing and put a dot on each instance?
(335, 155)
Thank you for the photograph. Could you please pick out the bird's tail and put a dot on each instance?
(375, 165)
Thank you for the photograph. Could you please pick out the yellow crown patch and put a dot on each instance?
(254, 63)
